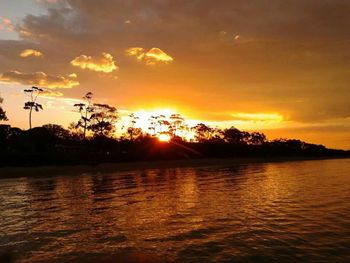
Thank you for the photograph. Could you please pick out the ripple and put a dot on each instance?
(275, 212)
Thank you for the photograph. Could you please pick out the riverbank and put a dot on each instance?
(71, 170)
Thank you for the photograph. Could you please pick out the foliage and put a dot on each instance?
(177, 123)
(3, 116)
(103, 119)
(133, 132)
(235, 136)
(203, 132)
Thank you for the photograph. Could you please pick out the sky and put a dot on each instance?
(277, 66)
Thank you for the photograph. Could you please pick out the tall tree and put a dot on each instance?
(177, 122)
(203, 132)
(132, 131)
(85, 110)
(163, 124)
(3, 116)
(32, 104)
(103, 119)
(153, 121)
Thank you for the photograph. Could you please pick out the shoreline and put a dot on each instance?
(9, 172)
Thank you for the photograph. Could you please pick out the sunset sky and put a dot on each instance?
(277, 66)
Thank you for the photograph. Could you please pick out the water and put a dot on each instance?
(282, 212)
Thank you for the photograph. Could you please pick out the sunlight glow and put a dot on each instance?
(189, 136)
(163, 137)
(270, 117)
(145, 116)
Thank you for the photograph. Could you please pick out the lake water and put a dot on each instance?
(282, 212)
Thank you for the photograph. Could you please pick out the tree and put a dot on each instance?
(75, 131)
(153, 121)
(257, 138)
(203, 132)
(235, 136)
(103, 119)
(163, 123)
(57, 131)
(132, 131)
(3, 116)
(176, 121)
(33, 94)
(217, 135)
(85, 110)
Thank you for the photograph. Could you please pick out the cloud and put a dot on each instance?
(48, 1)
(40, 79)
(104, 64)
(285, 57)
(151, 57)
(30, 53)
(6, 24)
(135, 51)
(51, 93)
(260, 116)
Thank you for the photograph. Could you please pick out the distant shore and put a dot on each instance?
(71, 170)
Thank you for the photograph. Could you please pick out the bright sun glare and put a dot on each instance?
(164, 137)
(162, 133)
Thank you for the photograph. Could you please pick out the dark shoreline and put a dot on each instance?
(72, 170)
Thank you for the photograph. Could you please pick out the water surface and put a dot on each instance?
(282, 212)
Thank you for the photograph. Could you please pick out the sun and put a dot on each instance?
(164, 137)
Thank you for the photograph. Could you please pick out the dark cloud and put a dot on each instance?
(40, 79)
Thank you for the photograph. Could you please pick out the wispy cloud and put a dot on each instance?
(6, 24)
(39, 79)
(51, 93)
(260, 116)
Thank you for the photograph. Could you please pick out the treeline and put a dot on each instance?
(92, 139)
(53, 145)
(100, 120)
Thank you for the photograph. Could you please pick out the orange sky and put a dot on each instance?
(281, 67)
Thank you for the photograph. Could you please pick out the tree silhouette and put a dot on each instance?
(163, 124)
(235, 136)
(153, 121)
(203, 132)
(57, 131)
(33, 94)
(75, 131)
(3, 116)
(103, 119)
(176, 121)
(85, 110)
(132, 131)
(217, 135)
(257, 138)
